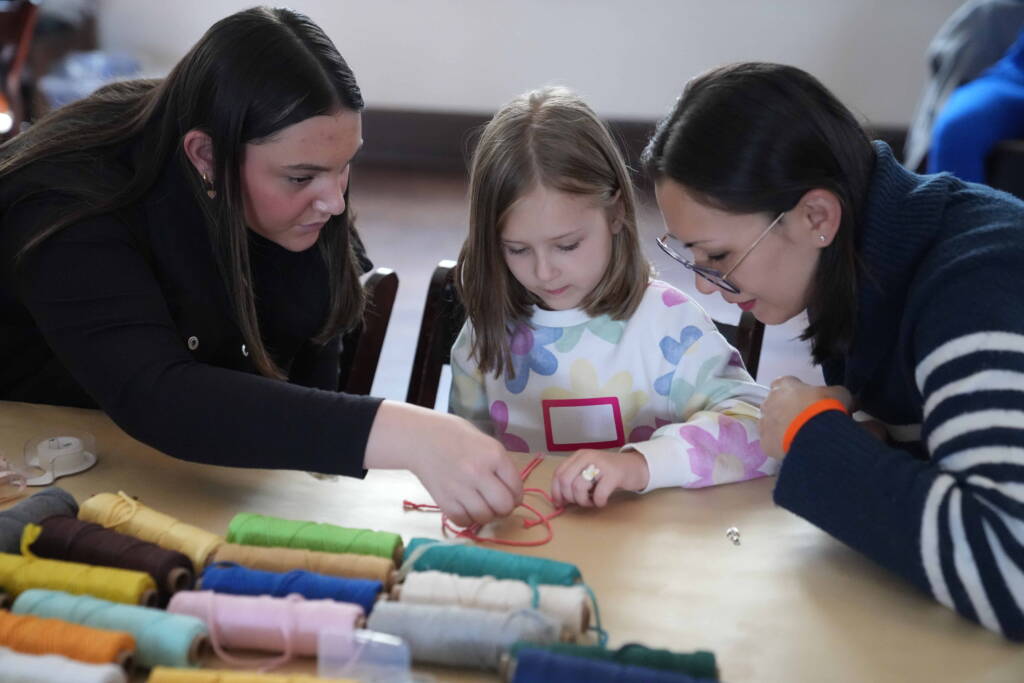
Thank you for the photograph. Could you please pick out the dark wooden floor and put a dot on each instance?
(410, 220)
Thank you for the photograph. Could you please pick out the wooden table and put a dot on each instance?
(788, 604)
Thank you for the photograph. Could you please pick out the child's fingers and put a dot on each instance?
(606, 486)
(581, 491)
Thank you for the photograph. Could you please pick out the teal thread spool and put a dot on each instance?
(251, 529)
(468, 560)
(162, 638)
(699, 664)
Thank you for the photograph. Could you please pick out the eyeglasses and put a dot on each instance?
(682, 254)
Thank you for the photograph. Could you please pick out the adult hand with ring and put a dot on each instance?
(588, 477)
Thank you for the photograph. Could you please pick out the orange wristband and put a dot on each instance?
(806, 414)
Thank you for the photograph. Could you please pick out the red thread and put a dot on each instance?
(471, 532)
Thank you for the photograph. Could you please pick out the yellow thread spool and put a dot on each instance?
(162, 674)
(18, 574)
(283, 560)
(128, 516)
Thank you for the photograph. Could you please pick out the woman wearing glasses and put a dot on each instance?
(774, 196)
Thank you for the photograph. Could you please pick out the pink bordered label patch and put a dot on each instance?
(574, 423)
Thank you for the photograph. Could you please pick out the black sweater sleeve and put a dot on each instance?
(99, 306)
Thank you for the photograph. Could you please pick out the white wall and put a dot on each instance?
(629, 58)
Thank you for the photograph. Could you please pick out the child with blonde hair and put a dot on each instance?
(569, 345)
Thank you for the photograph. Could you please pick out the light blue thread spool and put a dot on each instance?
(162, 638)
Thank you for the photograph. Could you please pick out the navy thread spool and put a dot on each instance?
(238, 580)
(32, 510)
(699, 663)
(541, 665)
(73, 540)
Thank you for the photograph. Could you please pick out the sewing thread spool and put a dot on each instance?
(67, 538)
(541, 665)
(38, 636)
(266, 623)
(165, 675)
(567, 604)
(121, 513)
(699, 664)
(19, 574)
(286, 559)
(250, 529)
(46, 503)
(461, 636)
(22, 668)
(160, 637)
(238, 580)
(423, 554)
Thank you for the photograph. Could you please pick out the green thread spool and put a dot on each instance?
(269, 532)
(162, 638)
(699, 664)
(469, 560)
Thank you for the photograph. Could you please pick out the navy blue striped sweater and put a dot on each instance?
(938, 356)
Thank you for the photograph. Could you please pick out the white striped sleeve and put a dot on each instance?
(972, 533)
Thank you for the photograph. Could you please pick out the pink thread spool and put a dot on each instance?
(290, 625)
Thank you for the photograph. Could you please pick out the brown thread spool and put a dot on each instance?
(70, 539)
(283, 560)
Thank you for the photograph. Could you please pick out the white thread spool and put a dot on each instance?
(461, 636)
(48, 668)
(567, 604)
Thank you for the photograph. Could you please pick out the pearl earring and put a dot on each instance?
(821, 237)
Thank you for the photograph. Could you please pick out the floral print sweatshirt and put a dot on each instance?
(664, 383)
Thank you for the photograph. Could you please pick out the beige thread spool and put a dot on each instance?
(567, 604)
(280, 560)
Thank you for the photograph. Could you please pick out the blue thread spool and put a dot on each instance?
(468, 560)
(238, 580)
(541, 665)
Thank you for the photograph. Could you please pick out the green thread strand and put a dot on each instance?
(468, 560)
(261, 530)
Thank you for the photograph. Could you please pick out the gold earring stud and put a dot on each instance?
(210, 192)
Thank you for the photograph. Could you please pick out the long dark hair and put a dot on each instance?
(755, 137)
(252, 74)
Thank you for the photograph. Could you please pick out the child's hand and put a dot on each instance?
(626, 470)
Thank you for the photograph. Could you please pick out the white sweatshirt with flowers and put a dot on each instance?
(664, 383)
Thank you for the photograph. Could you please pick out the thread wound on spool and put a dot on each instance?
(286, 559)
(36, 635)
(64, 537)
(160, 637)
(262, 530)
(423, 554)
(18, 574)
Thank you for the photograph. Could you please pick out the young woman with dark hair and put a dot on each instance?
(775, 197)
(180, 254)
